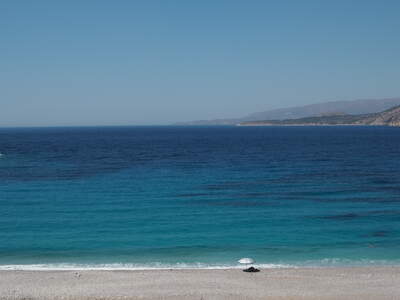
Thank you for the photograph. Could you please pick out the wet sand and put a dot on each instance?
(302, 283)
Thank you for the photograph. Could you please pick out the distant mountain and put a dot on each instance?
(389, 117)
(328, 108)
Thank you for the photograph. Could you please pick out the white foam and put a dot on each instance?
(126, 267)
(327, 262)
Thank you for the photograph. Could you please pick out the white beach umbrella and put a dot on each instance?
(246, 261)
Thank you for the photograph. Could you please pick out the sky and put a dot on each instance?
(157, 62)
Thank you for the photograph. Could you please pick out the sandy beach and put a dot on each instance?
(302, 283)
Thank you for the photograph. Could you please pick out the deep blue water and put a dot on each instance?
(184, 196)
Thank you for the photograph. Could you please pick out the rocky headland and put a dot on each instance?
(389, 117)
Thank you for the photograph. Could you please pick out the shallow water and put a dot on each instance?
(139, 197)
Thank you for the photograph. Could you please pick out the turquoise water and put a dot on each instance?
(154, 197)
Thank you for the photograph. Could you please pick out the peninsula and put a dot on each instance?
(389, 117)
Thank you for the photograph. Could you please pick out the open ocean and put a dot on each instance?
(172, 197)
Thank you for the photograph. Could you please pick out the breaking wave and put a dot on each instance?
(328, 262)
(122, 267)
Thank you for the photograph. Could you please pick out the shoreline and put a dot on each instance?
(368, 282)
(312, 125)
(189, 267)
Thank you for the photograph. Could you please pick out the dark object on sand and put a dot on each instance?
(251, 270)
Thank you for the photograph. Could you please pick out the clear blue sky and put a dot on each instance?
(153, 62)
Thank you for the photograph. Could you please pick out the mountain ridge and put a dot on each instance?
(359, 106)
(389, 117)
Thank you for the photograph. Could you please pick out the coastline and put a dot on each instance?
(311, 124)
(276, 283)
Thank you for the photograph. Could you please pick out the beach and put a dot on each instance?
(285, 283)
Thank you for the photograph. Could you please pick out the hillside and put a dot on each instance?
(389, 117)
(354, 107)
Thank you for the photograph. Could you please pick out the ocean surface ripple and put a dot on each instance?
(198, 197)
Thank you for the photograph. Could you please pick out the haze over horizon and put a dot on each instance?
(159, 62)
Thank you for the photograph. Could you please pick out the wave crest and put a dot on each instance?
(326, 262)
(123, 267)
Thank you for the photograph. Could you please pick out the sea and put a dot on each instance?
(164, 197)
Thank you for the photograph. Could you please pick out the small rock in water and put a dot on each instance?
(251, 270)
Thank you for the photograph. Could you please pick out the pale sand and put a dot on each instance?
(304, 283)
